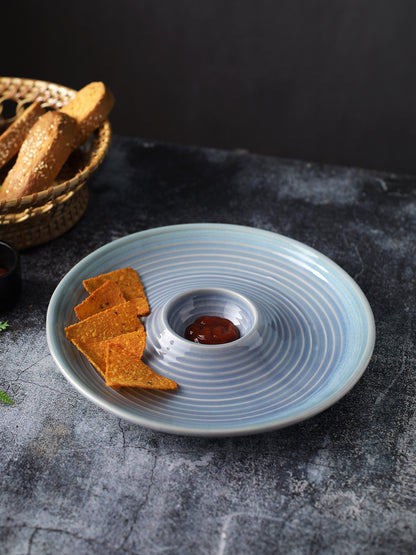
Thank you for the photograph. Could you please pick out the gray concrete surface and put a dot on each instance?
(76, 479)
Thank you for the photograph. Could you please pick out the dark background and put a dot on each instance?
(322, 80)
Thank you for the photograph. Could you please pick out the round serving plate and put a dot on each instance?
(307, 330)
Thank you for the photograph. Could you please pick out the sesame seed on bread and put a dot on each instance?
(11, 140)
(90, 108)
(41, 156)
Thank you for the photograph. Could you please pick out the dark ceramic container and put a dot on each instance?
(10, 281)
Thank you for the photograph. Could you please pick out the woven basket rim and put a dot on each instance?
(19, 80)
(104, 133)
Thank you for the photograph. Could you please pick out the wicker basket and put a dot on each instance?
(38, 218)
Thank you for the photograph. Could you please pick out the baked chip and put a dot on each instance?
(129, 282)
(106, 296)
(96, 353)
(104, 325)
(126, 369)
(110, 333)
(142, 305)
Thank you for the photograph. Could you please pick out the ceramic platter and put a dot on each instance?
(307, 330)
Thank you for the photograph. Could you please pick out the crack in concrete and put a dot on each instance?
(143, 504)
(229, 518)
(38, 529)
(384, 393)
(123, 435)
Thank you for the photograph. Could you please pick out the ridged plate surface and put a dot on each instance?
(313, 334)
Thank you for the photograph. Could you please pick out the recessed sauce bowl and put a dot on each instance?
(167, 324)
(184, 309)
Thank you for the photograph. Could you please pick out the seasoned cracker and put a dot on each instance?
(129, 282)
(142, 305)
(96, 353)
(106, 296)
(123, 369)
(114, 321)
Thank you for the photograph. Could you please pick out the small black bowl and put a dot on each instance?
(10, 277)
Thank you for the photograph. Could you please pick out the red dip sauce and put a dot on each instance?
(212, 330)
(3, 271)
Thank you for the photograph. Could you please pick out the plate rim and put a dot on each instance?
(245, 429)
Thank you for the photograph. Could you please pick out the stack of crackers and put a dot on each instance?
(110, 333)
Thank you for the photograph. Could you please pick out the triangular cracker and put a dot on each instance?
(115, 321)
(129, 282)
(125, 369)
(96, 353)
(106, 296)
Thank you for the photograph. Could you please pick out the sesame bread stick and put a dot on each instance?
(41, 156)
(90, 108)
(11, 140)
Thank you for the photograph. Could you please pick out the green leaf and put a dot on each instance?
(5, 398)
(3, 325)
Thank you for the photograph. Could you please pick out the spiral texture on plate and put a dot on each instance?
(308, 331)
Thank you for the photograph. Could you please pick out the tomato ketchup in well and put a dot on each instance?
(212, 330)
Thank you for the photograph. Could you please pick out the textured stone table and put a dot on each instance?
(76, 479)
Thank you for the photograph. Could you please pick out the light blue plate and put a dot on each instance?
(307, 329)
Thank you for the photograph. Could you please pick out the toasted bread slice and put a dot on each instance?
(12, 139)
(89, 107)
(41, 156)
